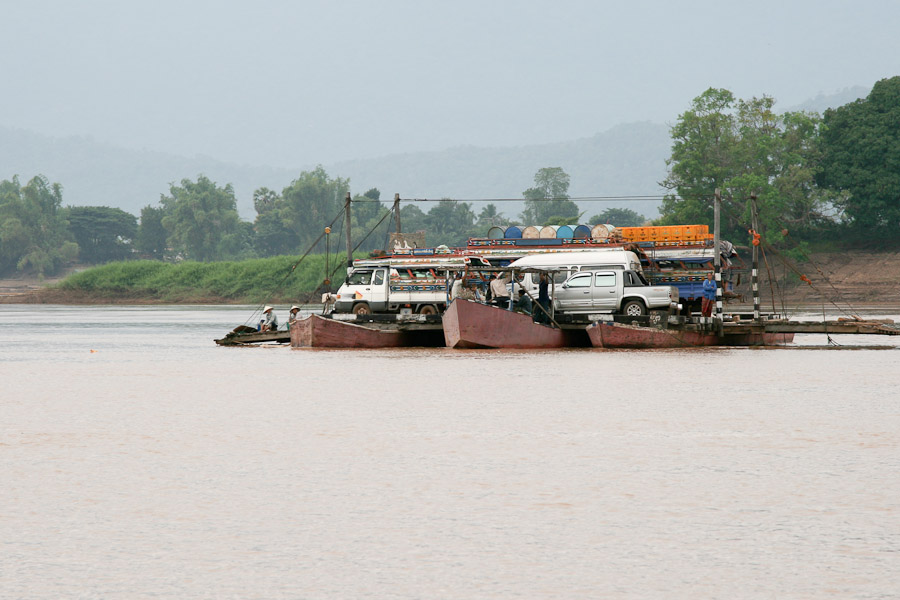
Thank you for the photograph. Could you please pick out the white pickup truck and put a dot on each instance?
(621, 291)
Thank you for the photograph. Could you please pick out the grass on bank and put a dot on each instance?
(250, 281)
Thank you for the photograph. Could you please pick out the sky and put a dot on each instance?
(298, 83)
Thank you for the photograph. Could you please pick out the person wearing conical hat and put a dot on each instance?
(270, 322)
(292, 314)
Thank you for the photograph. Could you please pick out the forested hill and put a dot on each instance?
(98, 174)
(626, 160)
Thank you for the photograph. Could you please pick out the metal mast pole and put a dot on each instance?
(718, 258)
(754, 241)
(349, 240)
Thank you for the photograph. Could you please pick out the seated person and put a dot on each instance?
(270, 322)
(523, 303)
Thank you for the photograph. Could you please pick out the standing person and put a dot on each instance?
(292, 314)
(456, 287)
(270, 323)
(709, 295)
(499, 292)
(543, 299)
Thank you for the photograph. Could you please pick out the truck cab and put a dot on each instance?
(365, 291)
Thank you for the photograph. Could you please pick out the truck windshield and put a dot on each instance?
(360, 278)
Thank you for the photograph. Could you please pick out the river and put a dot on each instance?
(140, 460)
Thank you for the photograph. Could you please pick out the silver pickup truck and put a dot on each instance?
(613, 291)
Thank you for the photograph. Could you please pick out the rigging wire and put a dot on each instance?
(764, 245)
(280, 284)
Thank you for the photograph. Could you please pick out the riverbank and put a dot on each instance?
(855, 278)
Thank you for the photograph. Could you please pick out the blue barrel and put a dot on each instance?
(581, 232)
(513, 232)
(495, 233)
(564, 232)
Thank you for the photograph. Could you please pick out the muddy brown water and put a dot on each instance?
(140, 460)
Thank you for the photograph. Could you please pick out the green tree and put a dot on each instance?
(310, 203)
(103, 234)
(34, 233)
(152, 237)
(371, 223)
(413, 219)
(288, 223)
(744, 148)
(620, 217)
(450, 222)
(861, 157)
(272, 237)
(202, 220)
(549, 198)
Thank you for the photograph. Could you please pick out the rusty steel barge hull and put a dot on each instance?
(470, 324)
(387, 331)
(618, 335)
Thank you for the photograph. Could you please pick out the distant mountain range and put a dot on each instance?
(627, 160)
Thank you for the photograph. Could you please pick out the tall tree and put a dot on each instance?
(152, 237)
(450, 222)
(103, 234)
(202, 220)
(744, 148)
(549, 198)
(310, 203)
(272, 237)
(620, 217)
(289, 222)
(861, 147)
(34, 233)
(487, 218)
(371, 221)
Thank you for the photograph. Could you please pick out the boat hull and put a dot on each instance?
(470, 324)
(315, 331)
(607, 335)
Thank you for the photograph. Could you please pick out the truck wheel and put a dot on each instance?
(362, 309)
(634, 308)
(428, 309)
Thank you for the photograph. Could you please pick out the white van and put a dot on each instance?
(565, 264)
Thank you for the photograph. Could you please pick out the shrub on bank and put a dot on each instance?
(250, 281)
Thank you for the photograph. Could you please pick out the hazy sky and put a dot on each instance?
(291, 84)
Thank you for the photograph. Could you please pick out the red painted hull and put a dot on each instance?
(472, 325)
(606, 335)
(318, 332)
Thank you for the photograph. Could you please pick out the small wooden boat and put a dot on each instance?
(621, 335)
(243, 335)
(316, 331)
(470, 324)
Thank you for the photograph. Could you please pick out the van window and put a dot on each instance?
(379, 277)
(605, 280)
(561, 276)
(360, 278)
(580, 281)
